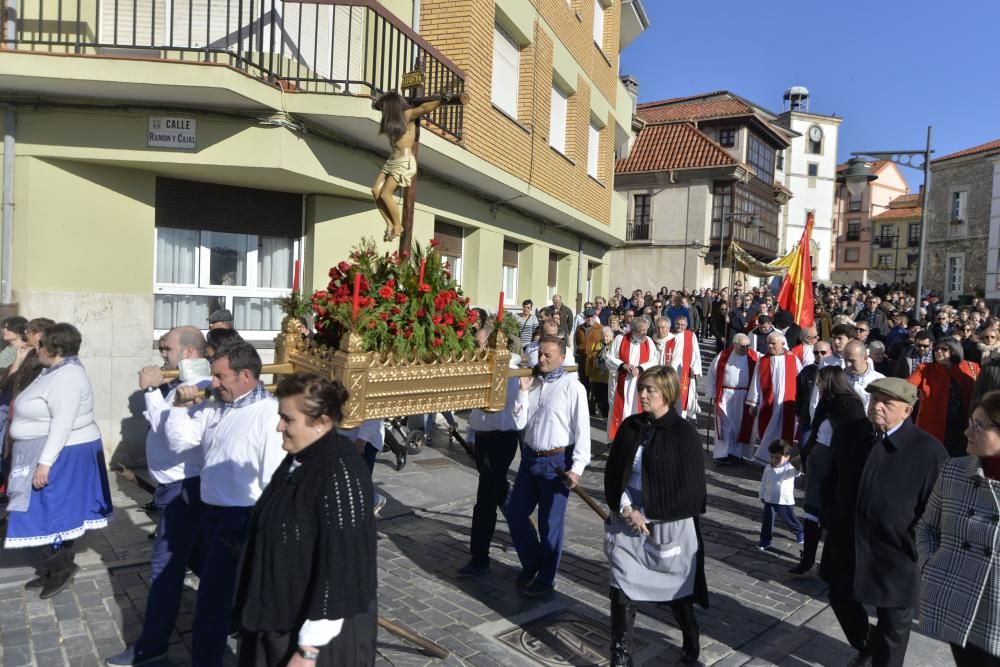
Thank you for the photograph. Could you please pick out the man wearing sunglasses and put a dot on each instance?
(920, 352)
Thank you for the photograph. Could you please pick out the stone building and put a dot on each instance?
(963, 212)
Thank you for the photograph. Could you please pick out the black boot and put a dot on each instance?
(61, 572)
(396, 448)
(43, 569)
(622, 623)
(688, 622)
(808, 559)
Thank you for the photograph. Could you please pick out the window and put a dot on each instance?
(760, 156)
(912, 261)
(450, 238)
(780, 161)
(812, 170)
(913, 237)
(506, 63)
(853, 230)
(223, 247)
(637, 228)
(885, 261)
(727, 137)
(958, 203)
(852, 255)
(557, 120)
(553, 280)
(886, 234)
(855, 203)
(955, 276)
(722, 201)
(599, 24)
(510, 250)
(815, 147)
(593, 150)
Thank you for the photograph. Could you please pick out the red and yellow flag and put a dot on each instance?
(796, 295)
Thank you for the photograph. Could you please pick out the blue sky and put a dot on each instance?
(890, 68)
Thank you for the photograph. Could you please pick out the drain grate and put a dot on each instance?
(566, 637)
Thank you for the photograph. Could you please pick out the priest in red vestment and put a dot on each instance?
(630, 355)
(771, 397)
(682, 352)
(728, 383)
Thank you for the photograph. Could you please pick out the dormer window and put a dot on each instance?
(727, 137)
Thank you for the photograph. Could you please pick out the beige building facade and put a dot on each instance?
(161, 173)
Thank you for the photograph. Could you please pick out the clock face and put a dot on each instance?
(815, 133)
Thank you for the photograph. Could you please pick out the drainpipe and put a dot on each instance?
(10, 127)
(579, 274)
(416, 16)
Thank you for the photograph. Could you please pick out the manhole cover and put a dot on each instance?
(564, 638)
(434, 463)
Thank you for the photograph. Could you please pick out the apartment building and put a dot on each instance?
(172, 158)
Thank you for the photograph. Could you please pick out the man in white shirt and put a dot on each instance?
(177, 497)
(493, 436)
(238, 437)
(551, 409)
(683, 354)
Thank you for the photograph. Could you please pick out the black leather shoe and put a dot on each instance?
(473, 569)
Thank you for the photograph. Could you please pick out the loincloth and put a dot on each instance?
(402, 169)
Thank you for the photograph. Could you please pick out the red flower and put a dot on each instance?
(440, 303)
(395, 311)
(383, 315)
(437, 342)
(407, 332)
(371, 324)
(460, 333)
(473, 316)
(449, 319)
(434, 243)
(344, 267)
(400, 297)
(391, 282)
(421, 312)
(436, 319)
(385, 292)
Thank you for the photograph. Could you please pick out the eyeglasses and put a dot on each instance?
(921, 347)
(822, 353)
(942, 349)
(978, 427)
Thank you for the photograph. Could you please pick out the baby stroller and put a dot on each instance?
(402, 440)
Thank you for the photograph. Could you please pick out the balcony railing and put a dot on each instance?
(884, 241)
(637, 229)
(913, 241)
(762, 238)
(339, 47)
(853, 236)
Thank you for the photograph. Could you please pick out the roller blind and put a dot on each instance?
(553, 269)
(557, 120)
(506, 63)
(510, 250)
(449, 238)
(226, 208)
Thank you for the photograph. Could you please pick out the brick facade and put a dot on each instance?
(463, 31)
(969, 240)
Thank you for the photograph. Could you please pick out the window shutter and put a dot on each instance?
(553, 269)
(449, 238)
(506, 62)
(593, 146)
(557, 121)
(226, 208)
(510, 250)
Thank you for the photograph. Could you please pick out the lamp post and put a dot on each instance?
(858, 175)
(751, 221)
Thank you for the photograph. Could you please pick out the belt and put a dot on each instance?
(545, 452)
(736, 388)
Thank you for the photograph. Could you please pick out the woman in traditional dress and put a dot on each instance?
(307, 591)
(655, 484)
(58, 483)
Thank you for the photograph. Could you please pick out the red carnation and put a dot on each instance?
(395, 311)
(334, 273)
(437, 342)
(434, 243)
(460, 333)
(385, 292)
(436, 319)
(391, 282)
(344, 267)
(383, 315)
(439, 303)
(400, 297)
(449, 319)
(473, 316)
(421, 312)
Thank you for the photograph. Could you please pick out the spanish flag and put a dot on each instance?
(796, 295)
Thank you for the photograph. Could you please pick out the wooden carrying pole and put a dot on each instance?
(429, 647)
(580, 491)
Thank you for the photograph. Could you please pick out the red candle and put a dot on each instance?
(295, 278)
(357, 294)
(423, 261)
(500, 309)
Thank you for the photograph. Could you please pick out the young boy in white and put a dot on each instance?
(777, 492)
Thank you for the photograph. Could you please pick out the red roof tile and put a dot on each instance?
(901, 208)
(982, 148)
(673, 146)
(904, 201)
(667, 111)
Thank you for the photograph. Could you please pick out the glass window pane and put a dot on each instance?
(253, 313)
(174, 310)
(274, 262)
(228, 258)
(176, 256)
(510, 284)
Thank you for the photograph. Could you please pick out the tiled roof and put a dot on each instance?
(670, 111)
(901, 208)
(673, 146)
(876, 165)
(982, 148)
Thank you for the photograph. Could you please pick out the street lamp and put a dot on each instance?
(752, 221)
(857, 176)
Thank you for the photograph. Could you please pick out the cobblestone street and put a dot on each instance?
(759, 614)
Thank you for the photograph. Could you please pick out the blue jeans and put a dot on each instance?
(225, 532)
(537, 485)
(494, 452)
(181, 517)
(787, 514)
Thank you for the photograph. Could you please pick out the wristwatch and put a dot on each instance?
(307, 654)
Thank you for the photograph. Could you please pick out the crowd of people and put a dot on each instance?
(886, 409)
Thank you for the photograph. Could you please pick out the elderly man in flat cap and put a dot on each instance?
(882, 473)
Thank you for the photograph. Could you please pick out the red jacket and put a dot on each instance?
(933, 382)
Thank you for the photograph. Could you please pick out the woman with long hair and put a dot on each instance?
(838, 403)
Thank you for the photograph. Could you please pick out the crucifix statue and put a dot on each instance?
(401, 124)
